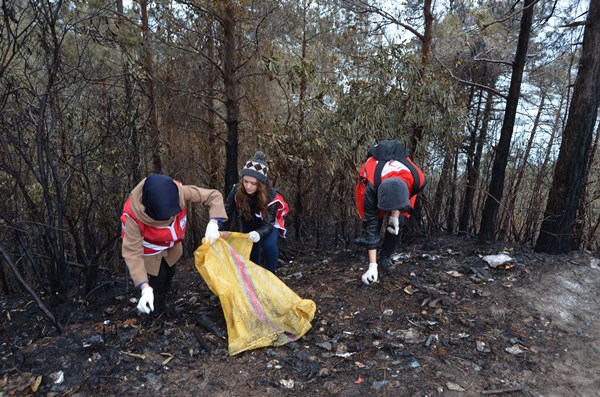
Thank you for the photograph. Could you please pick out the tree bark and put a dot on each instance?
(580, 222)
(487, 230)
(571, 165)
(230, 83)
(149, 83)
(465, 212)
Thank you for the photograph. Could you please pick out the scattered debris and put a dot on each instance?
(454, 387)
(57, 377)
(380, 384)
(515, 349)
(36, 384)
(135, 355)
(502, 391)
(497, 260)
(481, 273)
(325, 345)
(393, 339)
(433, 338)
(205, 322)
(481, 347)
(409, 289)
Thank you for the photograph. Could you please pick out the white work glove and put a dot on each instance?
(146, 303)
(393, 225)
(370, 275)
(212, 232)
(254, 237)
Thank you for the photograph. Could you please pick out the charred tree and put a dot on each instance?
(149, 85)
(487, 230)
(571, 165)
(230, 83)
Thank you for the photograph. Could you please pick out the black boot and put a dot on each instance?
(388, 247)
(387, 265)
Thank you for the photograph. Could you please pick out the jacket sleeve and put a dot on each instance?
(266, 227)
(371, 219)
(230, 208)
(132, 250)
(212, 198)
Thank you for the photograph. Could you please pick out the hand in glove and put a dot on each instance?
(370, 275)
(212, 232)
(254, 237)
(393, 225)
(146, 302)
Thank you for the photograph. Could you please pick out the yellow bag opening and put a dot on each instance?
(260, 310)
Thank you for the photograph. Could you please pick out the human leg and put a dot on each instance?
(389, 246)
(270, 250)
(161, 284)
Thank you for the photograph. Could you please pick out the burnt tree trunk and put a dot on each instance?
(580, 222)
(441, 189)
(487, 230)
(230, 83)
(571, 165)
(465, 212)
(149, 85)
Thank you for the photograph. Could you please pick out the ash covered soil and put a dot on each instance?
(442, 323)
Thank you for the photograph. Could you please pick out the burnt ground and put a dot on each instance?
(443, 323)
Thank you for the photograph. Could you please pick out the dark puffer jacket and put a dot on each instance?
(263, 227)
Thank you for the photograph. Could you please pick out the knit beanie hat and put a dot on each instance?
(257, 167)
(160, 197)
(392, 195)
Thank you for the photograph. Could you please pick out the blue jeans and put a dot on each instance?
(269, 248)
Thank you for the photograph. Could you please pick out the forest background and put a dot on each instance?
(497, 101)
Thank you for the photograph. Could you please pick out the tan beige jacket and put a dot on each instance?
(132, 248)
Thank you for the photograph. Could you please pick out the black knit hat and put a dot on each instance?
(257, 167)
(160, 197)
(392, 194)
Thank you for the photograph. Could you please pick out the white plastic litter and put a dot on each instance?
(497, 260)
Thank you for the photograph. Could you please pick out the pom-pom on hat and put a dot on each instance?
(257, 167)
(392, 194)
(160, 197)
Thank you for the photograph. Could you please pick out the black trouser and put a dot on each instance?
(391, 241)
(161, 284)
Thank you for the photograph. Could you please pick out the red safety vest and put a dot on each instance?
(156, 238)
(282, 211)
(375, 172)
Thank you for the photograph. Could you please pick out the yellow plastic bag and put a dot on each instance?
(260, 310)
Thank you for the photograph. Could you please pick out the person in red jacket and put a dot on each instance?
(153, 225)
(388, 185)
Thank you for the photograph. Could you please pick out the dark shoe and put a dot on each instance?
(387, 265)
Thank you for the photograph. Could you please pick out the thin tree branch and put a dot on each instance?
(472, 83)
(30, 290)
